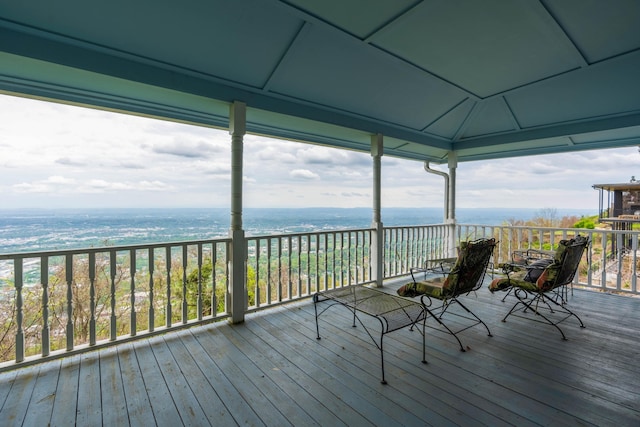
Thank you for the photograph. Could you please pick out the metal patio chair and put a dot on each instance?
(528, 263)
(465, 277)
(543, 300)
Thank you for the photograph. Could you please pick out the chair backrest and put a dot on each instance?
(468, 273)
(565, 264)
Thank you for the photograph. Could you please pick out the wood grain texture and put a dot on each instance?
(271, 370)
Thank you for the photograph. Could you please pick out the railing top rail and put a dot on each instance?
(416, 226)
(308, 233)
(100, 249)
(538, 227)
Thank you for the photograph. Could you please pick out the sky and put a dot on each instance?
(59, 156)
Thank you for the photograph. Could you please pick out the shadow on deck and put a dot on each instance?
(271, 370)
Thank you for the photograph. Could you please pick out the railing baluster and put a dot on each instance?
(299, 269)
(152, 311)
(132, 291)
(185, 306)
(214, 280)
(634, 263)
(18, 283)
(112, 294)
(44, 280)
(257, 287)
(279, 272)
(69, 281)
(289, 267)
(199, 297)
(308, 269)
(227, 274)
(168, 262)
(92, 298)
(269, 277)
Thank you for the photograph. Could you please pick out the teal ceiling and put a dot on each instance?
(486, 79)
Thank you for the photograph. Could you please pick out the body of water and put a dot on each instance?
(27, 230)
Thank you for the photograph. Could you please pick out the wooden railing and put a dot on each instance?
(412, 246)
(288, 267)
(611, 263)
(66, 301)
(60, 302)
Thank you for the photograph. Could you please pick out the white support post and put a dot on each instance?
(451, 203)
(377, 236)
(238, 255)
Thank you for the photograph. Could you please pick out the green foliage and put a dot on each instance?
(587, 222)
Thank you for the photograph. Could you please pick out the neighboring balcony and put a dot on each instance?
(102, 336)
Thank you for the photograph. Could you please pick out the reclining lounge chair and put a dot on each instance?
(537, 298)
(466, 276)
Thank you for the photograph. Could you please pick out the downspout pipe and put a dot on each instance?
(446, 188)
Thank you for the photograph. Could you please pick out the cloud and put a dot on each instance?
(26, 187)
(79, 157)
(317, 155)
(66, 161)
(273, 153)
(59, 180)
(130, 165)
(353, 194)
(303, 174)
(61, 185)
(185, 148)
(538, 168)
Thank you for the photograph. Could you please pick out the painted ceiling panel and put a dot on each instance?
(233, 48)
(334, 70)
(518, 148)
(599, 29)
(270, 123)
(358, 17)
(498, 45)
(88, 88)
(418, 152)
(449, 124)
(606, 89)
(617, 134)
(493, 116)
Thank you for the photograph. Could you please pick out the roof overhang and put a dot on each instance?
(487, 79)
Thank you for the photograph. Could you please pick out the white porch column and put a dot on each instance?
(451, 208)
(377, 237)
(238, 255)
(451, 203)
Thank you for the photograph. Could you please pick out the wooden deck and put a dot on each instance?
(272, 371)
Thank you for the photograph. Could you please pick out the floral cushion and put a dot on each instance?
(547, 278)
(464, 276)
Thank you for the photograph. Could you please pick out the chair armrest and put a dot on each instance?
(526, 257)
(536, 254)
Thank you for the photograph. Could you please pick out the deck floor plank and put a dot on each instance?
(442, 393)
(192, 370)
(6, 382)
(286, 393)
(113, 398)
(16, 405)
(272, 371)
(41, 404)
(65, 403)
(358, 351)
(164, 409)
(240, 409)
(182, 395)
(89, 410)
(139, 408)
(300, 385)
(238, 367)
